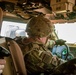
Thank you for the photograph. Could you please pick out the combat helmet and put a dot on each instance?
(39, 26)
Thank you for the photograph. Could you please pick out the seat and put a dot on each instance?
(16, 54)
(17, 57)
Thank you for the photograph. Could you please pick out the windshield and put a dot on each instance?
(66, 31)
(13, 29)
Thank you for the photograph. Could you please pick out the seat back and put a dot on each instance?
(17, 57)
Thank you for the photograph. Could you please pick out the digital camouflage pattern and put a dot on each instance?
(38, 58)
(39, 26)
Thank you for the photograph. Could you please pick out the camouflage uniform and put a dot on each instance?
(37, 57)
(62, 50)
(50, 44)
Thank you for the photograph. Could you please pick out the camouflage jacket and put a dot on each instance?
(37, 57)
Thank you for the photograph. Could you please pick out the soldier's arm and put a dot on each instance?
(41, 58)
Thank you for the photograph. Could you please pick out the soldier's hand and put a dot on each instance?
(2, 65)
(55, 60)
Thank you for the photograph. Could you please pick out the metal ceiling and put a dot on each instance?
(25, 9)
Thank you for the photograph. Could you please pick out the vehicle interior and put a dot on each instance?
(16, 14)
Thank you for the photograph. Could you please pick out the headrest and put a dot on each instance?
(60, 42)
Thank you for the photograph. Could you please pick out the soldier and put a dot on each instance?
(62, 50)
(37, 57)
